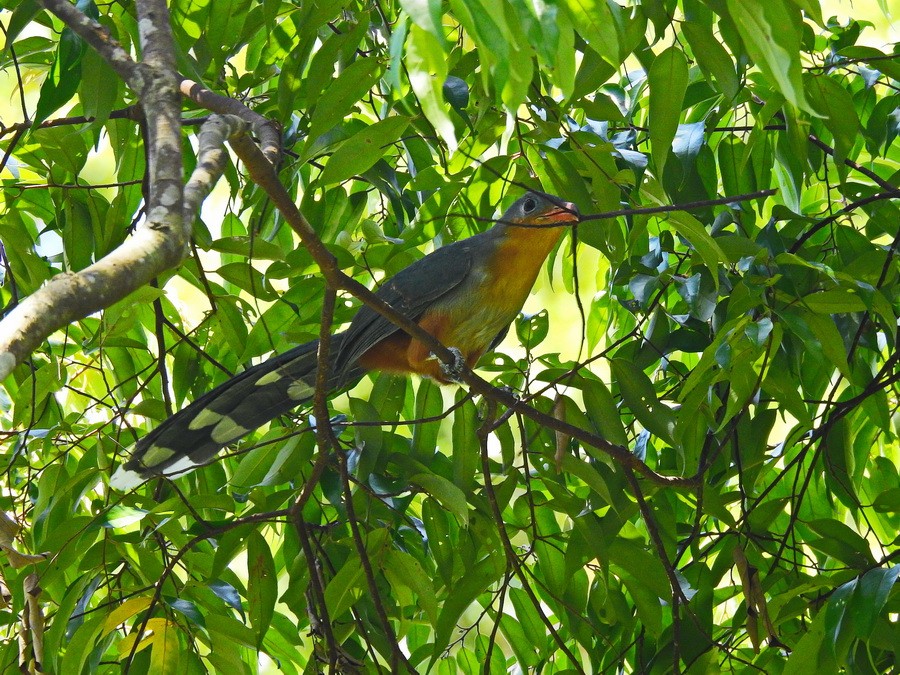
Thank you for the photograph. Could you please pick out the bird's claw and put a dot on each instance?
(453, 371)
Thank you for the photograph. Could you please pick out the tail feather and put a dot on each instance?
(256, 396)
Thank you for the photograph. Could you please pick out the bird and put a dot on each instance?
(465, 294)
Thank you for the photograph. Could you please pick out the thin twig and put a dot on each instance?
(512, 560)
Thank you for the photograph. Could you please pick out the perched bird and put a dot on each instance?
(465, 294)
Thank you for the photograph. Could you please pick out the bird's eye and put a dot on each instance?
(529, 205)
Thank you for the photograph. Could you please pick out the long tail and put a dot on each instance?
(233, 409)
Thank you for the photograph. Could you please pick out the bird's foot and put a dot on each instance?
(452, 372)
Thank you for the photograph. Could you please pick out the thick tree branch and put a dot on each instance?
(265, 129)
(161, 241)
(162, 108)
(68, 297)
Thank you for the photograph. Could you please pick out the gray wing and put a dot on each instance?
(411, 292)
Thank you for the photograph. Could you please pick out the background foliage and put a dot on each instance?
(752, 345)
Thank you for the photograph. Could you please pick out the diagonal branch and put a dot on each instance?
(98, 37)
(263, 174)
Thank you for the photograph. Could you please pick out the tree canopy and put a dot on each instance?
(682, 458)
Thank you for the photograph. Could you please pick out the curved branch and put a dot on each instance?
(155, 248)
(850, 208)
(266, 130)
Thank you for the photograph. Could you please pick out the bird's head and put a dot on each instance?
(540, 210)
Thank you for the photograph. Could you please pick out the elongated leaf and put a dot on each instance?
(65, 75)
(340, 97)
(595, 23)
(359, 153)
(838, 625)
(771, 33)
(426, 14)
(712, 56)
(427, 65)
(21, 17)
(668, 79)
(640, 397)
(468, 588)
(451, 497)
(835, 301)
(343, 590)
(834, 102)
(870, 598)
(404, 569)
(602, 411)
(262, 584)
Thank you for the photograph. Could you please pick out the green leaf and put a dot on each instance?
(712, 56)
(65, 75)
(429, 404)
(229, 595)
(693, 231)
(165, 653)
(640, 397)
(837, 619)
(440, 545)
(871, 596)
(79, 646)
(812, 8)
(640, 564)
(22, 15)
(474, 582)
(456, 93)
(187, 608)
(771, 34)
(402, 568)
(807, 655)
(835, 301)
(262, 584)
(668, 80)
(344, 588)
(426, 14)
(848, 546)
(532, 329)
(833, 101)
(426, 64)
(120, 516)
(589, 474)
(360, 152)
(341, 95)
(465, 445)
(601, 408)
(290, 81)
(526, 651)
(451, 497)
(647, 604)
(830, 340)
(552, 566)
(888, 501)
(262, 464)
(231, 629)
(529, 618)
(594, 21)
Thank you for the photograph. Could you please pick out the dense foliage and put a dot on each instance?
(747, 343)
